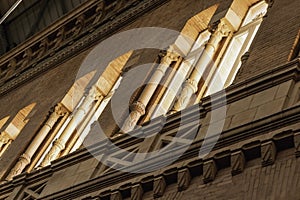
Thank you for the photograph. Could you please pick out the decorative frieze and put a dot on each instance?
(184, 179)
(77, 25)
(209, 171)
(159, 187)
(238, 162)
(268, 153)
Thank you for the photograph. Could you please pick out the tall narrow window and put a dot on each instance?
(239, 44)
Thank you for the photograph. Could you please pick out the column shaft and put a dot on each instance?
(138, 107)
(25, 159)
(60, 143)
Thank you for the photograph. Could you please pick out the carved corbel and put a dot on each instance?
(116, 195)
(159, 187)
(268, 153)
(184, 179)
(297, 144)
(209, 171)
(137, 192)
(237, 162)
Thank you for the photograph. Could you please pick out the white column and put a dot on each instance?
(59, 144)
(138, 107)
(25, 159)
(191, 85)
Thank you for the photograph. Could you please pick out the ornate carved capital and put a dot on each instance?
(60, 110)
(4, 138)
(59, 143)
(219, 30)
(138, 107)
(192, 84)
(168, 56)
(94, 94)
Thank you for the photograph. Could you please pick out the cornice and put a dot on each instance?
(190, 158)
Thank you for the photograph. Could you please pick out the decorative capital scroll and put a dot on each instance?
(4, 138)
(192, 84)
(138, 107)
(60, 110)
(219, 30)
(220, 27)
(93, 93)
(168, 56)
(245, 57)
